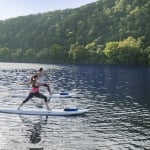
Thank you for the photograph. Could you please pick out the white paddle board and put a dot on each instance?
(58, 95)
(44, 112)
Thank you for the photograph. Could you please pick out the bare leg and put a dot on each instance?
(20, 105)
(47, 107)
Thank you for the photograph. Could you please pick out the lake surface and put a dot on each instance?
(118, 98)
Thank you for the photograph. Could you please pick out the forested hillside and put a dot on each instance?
(107, 31)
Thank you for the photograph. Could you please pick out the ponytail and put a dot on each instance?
(33, 77)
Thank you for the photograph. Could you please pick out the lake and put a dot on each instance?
(117, 96)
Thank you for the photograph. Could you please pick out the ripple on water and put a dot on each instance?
(116, 120)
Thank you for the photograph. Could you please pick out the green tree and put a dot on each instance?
(147, 55)
(128, 51)
(5, 53)
(30, 55)
(111, 50)
(18, 55)
(79, 54)
(57, 54)
(43, 55)
(96, 54)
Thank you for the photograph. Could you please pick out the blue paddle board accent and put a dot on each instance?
(64, 93)
(70, 109)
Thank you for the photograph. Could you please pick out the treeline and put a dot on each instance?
(129, 51)
(115, 32)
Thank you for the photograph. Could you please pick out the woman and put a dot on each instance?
(35, 91)
(40, 74)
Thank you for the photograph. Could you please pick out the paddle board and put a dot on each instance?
(58, 95)
(44, 112)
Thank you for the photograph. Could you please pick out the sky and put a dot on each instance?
(15, 8)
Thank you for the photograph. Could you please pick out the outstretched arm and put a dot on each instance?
(25, 83)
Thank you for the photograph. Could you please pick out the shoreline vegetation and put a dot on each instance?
(103, 32)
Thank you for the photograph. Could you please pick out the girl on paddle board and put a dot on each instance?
(40, 74)
(35, 91)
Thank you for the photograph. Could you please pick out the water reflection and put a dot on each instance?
(34, 128)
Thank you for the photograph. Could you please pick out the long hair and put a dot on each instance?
(33, 77)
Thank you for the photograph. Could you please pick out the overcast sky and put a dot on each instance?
(15, 8)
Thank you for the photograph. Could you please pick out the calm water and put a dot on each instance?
(117, 96)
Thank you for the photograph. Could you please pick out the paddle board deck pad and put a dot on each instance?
(44, 112)
(59, 95)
